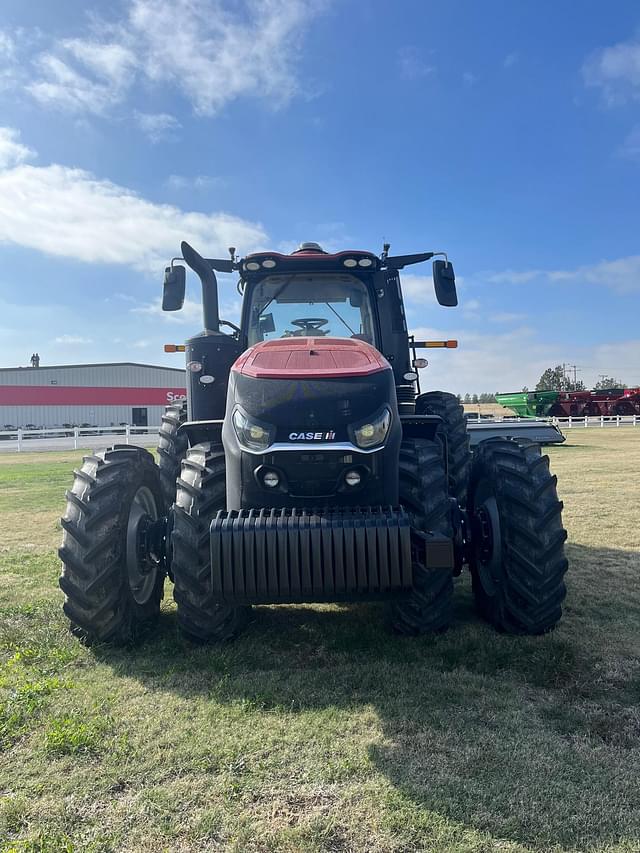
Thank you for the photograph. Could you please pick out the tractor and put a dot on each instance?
(306, 465)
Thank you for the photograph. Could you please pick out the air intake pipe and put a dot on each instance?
(205, 273)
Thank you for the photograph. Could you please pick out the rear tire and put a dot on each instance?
(201, 493)
(517, 560)
(423, 493)
(111, 594)
(449, 408)
(172, 449)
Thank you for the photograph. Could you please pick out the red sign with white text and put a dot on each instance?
(69, 395)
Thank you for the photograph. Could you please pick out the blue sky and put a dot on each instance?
(507, 134)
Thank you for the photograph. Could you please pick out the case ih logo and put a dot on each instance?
(312, 436)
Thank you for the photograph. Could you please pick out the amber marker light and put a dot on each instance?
(433, 344)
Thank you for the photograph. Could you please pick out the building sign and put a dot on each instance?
(74, 395)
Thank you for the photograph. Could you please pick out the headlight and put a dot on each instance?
(251, 435)
(373, 432)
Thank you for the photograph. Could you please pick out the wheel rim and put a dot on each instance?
(142, 568)
(487, 538)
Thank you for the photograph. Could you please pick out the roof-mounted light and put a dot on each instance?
(365, 262)
(350, 262)
(269, 264)
(252, 266)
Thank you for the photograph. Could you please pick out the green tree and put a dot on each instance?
(474, 399)
(608, 382)
(467, 398)
(555, 379)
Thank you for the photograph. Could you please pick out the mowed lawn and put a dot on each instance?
(316, 731)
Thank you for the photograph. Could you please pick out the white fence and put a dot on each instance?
(598, 421)
(73, 438)
(601, 421)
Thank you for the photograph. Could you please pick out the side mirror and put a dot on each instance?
(175, 279)
(444, 281)
(266, 324)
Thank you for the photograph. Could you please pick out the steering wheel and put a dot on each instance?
(233, 326)
(310, 325)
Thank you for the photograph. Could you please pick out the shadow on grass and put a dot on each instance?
(534, 740)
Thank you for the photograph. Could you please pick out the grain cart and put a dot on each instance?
(307, 466)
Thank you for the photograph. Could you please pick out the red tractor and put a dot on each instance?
(307, 467)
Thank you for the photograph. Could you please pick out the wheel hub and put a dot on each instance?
(145, 544)
(486, 539)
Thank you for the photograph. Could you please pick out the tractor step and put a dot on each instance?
(293, 555)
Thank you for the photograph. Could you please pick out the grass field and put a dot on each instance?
(316, 731)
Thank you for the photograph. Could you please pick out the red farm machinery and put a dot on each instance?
(307, 465)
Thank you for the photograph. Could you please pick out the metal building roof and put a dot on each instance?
(94, 364)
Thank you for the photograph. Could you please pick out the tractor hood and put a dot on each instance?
(310, 358)
(316, 388)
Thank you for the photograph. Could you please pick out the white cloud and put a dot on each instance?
(66, 88)
(630, 148)
(157, 126)
(615, 70)
(191, 312)
(510, 360)
(510, 59)
(12, 151)
(72, 339)
(413, 64)
(507, 317)
(622, 275)
(469, 79)
(210, 50)
(418, 288)
(111, 61)
(71, 213)
(197, 182)
(485, 362)
(514, 276)
(471, 306)
(620, 358)
(7, 45)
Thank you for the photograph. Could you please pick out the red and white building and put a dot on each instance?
(87, 394)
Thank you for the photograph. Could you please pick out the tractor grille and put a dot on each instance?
(289, 555)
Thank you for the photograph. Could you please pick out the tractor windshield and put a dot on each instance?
(310, 305)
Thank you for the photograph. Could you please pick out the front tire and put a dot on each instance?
(172, 449)
(423, 493)
(517, 560)
(201, 493)
(449, 408)
(112, 590)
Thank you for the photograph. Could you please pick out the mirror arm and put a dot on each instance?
(399, 262)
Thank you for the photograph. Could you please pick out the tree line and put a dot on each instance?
(557, 379)
(553, 379)
(477, 398)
